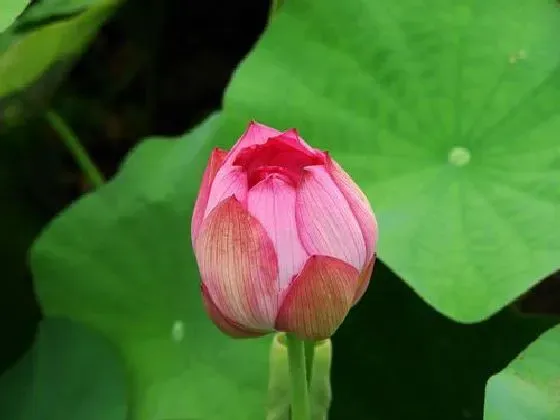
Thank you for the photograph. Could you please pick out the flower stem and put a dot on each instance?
(309, 347)
(76, 149)
(300, 395)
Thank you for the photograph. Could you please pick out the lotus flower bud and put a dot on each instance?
(284, 239)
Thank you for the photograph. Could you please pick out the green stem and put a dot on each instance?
(300, 397)
(78, 151)
(309, 347)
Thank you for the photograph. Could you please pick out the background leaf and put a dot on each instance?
(446, 114)
(51, 9)
(10, 11)
(49, 49)
(528, 389)
(121, 260)
(70, 373)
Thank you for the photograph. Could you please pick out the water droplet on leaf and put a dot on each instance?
(459, 156)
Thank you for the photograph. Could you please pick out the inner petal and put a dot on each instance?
(283, 154)
(325, 221)
(272, 201)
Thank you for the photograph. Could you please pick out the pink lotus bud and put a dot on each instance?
(283, 237)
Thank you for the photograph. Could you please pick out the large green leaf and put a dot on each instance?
(121, 260)
(10, 10)
(71, 373)
(446, 113)
(529, 388)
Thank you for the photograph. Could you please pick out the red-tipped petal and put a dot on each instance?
(238, 266)
(358, 202)
(318, 299)
(363, 282)
(325, 222)
(255, 134)
(224, 324)
(214, 163)
(293, 133)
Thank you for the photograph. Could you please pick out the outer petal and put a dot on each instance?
(363, 282)
(273, 201)
(358, 202)
(214, 163)
(225, 325)
(238, 266)
(255, 134)
(325, 222)
(318, 299)
(230, 180)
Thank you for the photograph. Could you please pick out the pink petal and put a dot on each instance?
(238, 266)
(255, 134)
(230, 180)
(225, 325)
(318, 299)
(358, 202)
(214, 163)
(363, 282)
(272, 201)
(325, 222)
